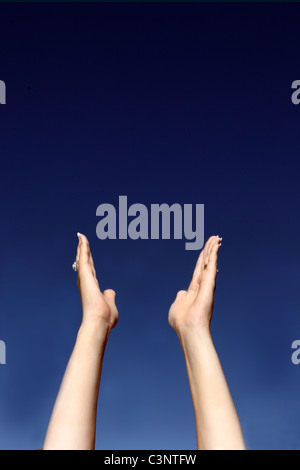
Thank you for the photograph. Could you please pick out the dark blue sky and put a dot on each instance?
(186, 103)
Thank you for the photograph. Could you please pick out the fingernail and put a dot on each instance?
(78, 234)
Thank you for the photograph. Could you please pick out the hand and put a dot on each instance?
(194, 307)
(96, 306)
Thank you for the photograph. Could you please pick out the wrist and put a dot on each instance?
(196, 347)
(96, 328)
(198, 330)
(193, 335)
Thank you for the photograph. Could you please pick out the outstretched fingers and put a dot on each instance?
(84, 250)
(195, 282)
(85, 260)
(78, 250)
(209, 273)
(212, 259)
(204, 262)
(209, 244)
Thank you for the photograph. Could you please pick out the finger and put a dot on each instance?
(210, 243)
(212, 263)
(84, 258)
(195, 282)
(201, 264)
(78, 248)
(210, 272)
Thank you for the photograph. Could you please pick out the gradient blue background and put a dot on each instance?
(186, 103)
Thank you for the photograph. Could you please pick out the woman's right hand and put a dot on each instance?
(194, 307)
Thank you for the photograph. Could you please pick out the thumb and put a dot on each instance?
(110, 295)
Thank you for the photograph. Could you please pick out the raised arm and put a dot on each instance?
(217, 423)
(73, 420)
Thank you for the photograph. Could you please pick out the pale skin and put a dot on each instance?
(73, 422)
(217, 423)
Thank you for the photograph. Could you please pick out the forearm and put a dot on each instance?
(73, 420)
(217, 422)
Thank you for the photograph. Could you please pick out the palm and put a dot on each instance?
(195, 306)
